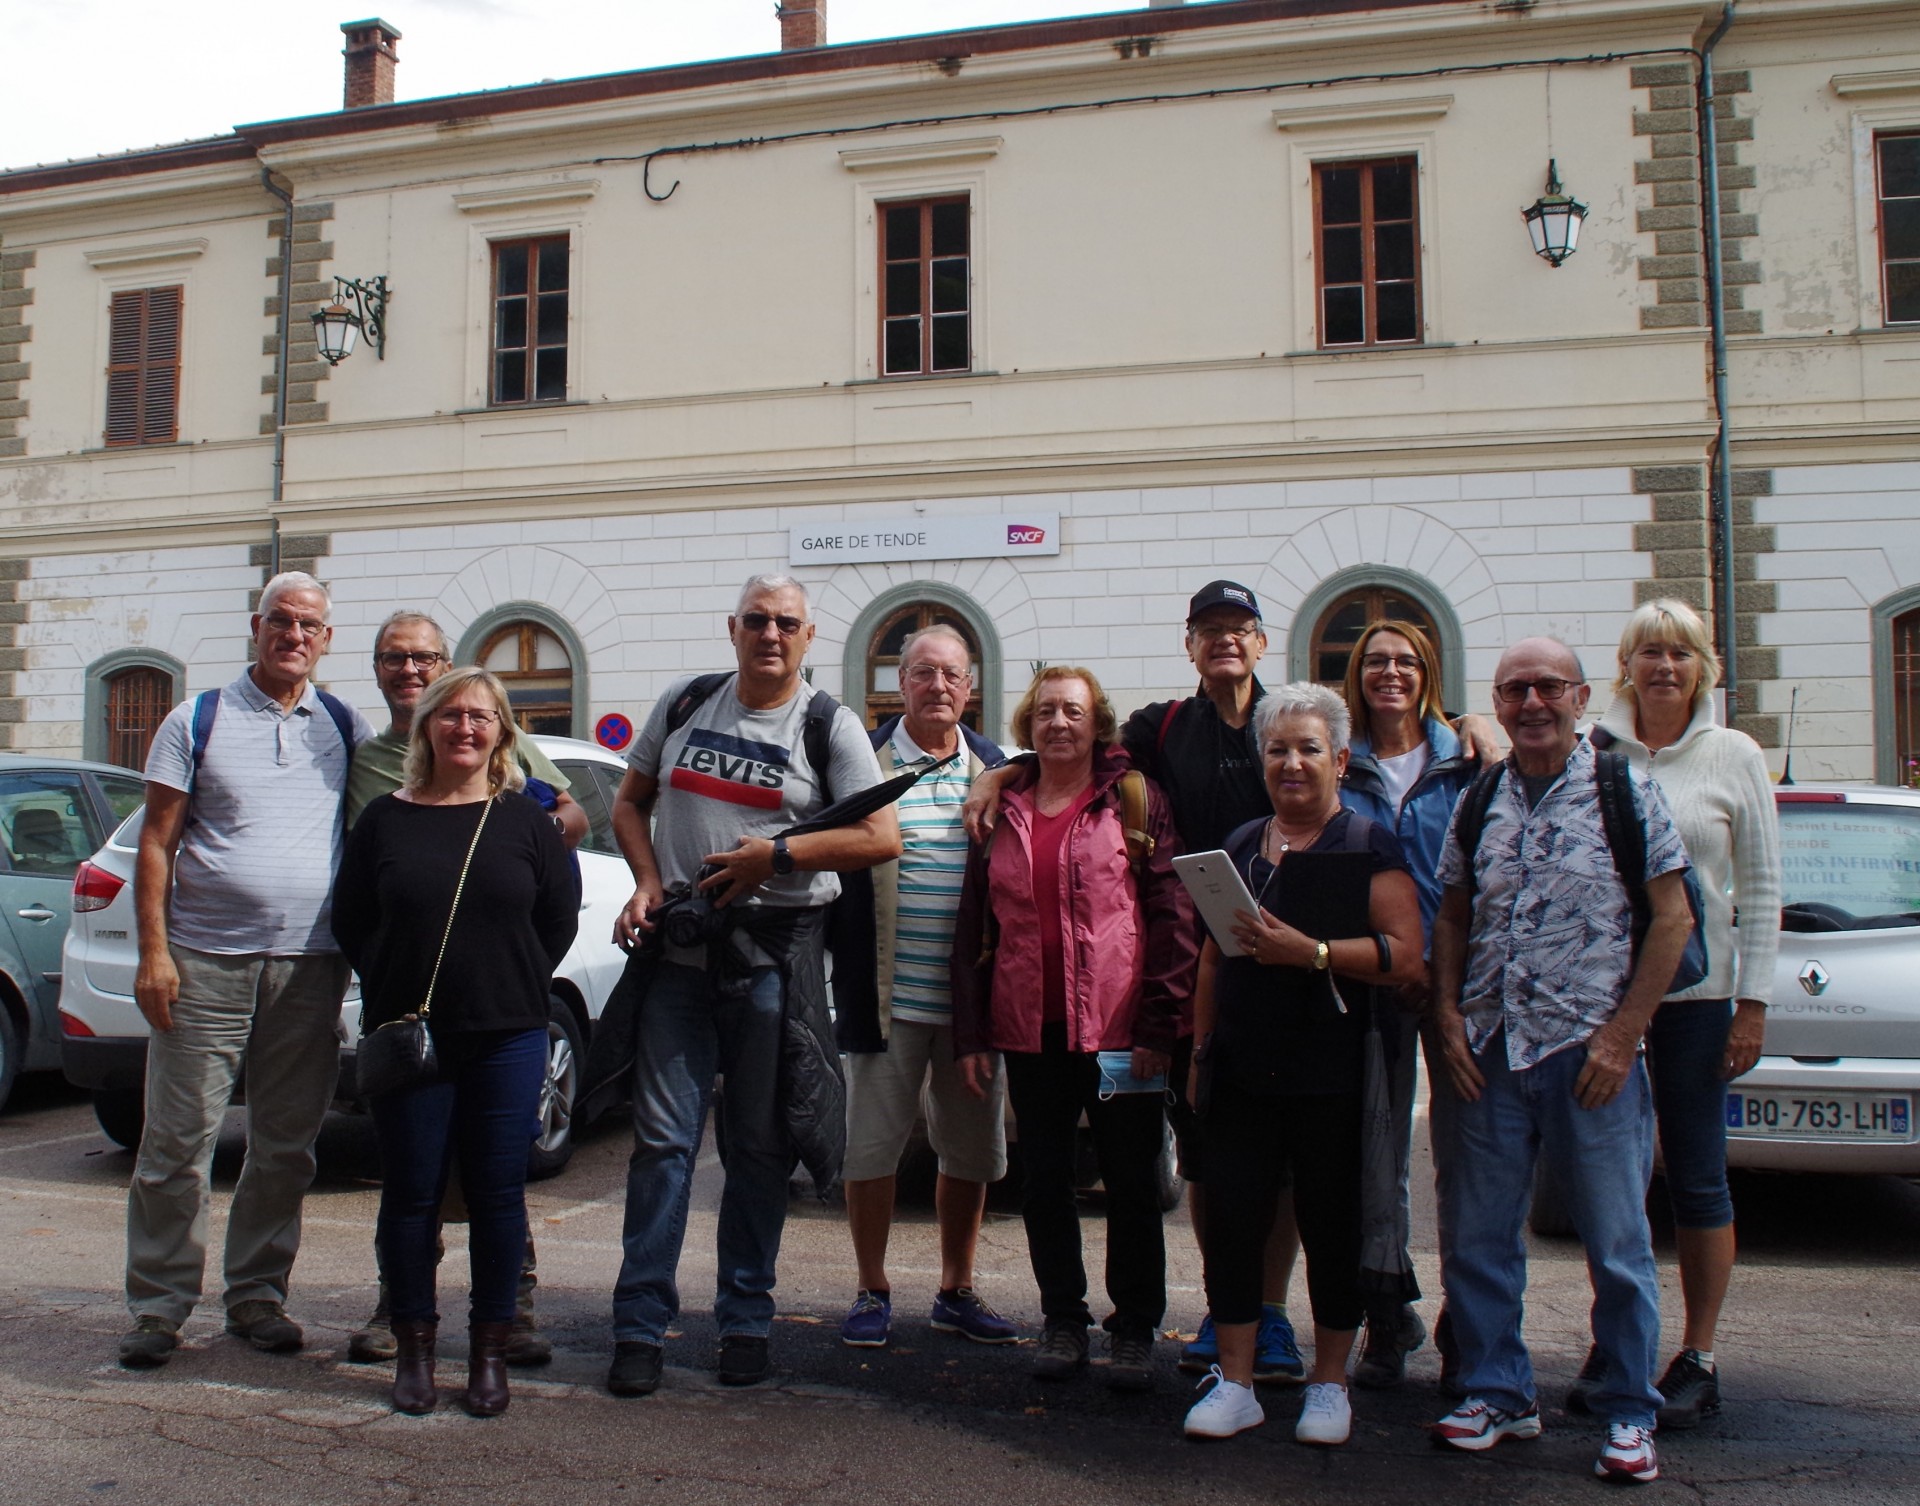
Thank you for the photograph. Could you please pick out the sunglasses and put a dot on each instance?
(756, 622)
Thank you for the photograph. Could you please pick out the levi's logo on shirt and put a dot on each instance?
(732, 769)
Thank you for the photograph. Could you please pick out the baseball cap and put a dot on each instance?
(1222, 593)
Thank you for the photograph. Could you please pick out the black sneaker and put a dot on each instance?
(1392, 1335)
(636, 1368)
(743, 1359)
(149, 1344)
(1690, 1392)
(1063, 1351)
(265, 1325)
(1580, 1393)
(1129, 1359)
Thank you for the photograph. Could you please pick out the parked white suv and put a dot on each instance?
(104, 1037)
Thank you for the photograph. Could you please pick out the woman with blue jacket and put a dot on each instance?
(1406, 772)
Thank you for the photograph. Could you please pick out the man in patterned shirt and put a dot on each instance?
(911, 1039)
(1541, 996)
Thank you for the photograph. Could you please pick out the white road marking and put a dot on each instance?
(14, 1150)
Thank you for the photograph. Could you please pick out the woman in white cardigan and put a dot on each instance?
(1715, 779)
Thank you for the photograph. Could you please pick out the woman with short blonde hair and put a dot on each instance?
(1715, 779)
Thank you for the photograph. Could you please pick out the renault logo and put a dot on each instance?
(1813, 978)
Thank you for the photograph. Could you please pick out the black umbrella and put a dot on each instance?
(858, 806)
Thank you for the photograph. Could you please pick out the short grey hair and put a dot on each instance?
(1304, 698)
(933, 630)
(404, 617)
(289, 581)
(758, 583)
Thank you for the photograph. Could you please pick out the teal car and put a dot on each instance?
(54, 814)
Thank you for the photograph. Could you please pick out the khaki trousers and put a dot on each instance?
(273, 1019)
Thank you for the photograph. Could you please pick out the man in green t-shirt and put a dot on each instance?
(410, 652)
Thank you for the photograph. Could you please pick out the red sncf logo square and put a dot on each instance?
(1022, 533)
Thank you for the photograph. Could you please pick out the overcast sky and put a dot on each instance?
(85, 77)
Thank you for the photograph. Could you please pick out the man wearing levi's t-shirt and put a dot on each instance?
(700, 805)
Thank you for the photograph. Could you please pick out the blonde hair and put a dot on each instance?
(1106, 726)
(503, 767)
(1665, 620)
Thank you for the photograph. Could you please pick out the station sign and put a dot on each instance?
(963, 538)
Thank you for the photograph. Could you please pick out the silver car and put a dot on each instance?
(104, 1037)
(1837, 1088)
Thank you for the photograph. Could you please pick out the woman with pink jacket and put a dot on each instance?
(1074, 958)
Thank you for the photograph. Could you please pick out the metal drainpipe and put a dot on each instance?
(1722, 478)
(285, 333)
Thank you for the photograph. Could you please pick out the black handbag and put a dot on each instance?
(400, 1054)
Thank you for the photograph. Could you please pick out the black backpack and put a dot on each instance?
(1626, 839)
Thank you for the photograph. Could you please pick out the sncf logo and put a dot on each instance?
(1020, 533)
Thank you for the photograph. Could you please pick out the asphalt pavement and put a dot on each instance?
(1820, 1354)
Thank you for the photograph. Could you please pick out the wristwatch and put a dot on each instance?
(782, 859)
(1322, 956)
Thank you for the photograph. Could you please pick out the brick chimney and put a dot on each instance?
(371, 58)
(803, 23)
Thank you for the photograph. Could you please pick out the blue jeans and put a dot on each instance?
(1686, 1052)
(688, 1030)
(485, 1104)
(1605, 1158)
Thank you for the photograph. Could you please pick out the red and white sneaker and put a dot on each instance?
(1478, 1424)
(1627, 1457)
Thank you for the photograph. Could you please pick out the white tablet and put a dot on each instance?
(1219, 894)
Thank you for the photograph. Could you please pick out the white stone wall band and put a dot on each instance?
(1511, 553)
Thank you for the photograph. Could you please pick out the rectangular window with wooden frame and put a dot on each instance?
(1366, 233)
(927, 284)
(1897, 188)
(530, 309)
(143, 366)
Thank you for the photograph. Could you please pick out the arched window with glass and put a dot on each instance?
(1335, 613)
(1339, 626)
(536, 666)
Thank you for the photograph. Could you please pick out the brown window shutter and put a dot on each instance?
(143, 366)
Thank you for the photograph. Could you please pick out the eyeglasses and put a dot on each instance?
(756, 622)
(307, 627)
(400, 658)
(1548, 689)
(1378, 662)
(1212, 632)
(926, 674)
(453, 716)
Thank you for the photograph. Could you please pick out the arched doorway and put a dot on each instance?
(537, 669)
(1340, 625)
(1335, 613)
(882, 681)
(138, 700)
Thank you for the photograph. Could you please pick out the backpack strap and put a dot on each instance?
(1626, 837)
(690, 699)
(1470, 818)
(206, 706)
(816, 736)
(1359, 834)
(1133, 818)
(1166, 725)
(1601, 739)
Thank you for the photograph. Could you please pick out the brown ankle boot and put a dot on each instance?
(487, 1394)
(413, 1390)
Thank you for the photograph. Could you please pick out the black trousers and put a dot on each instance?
(1050, 1088)
(1251, 1144)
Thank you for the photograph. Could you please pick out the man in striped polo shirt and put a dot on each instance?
(911, 1041)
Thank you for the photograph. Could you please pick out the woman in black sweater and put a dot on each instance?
(517, 911)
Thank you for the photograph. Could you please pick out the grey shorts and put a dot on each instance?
(885, 1090)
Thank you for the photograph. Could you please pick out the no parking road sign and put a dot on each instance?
(613, 731)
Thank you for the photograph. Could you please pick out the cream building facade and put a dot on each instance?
(1232, 289)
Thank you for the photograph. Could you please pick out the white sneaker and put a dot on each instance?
(1226, 1409)
(1327, 1416)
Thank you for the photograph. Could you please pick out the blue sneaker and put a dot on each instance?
(1276, 1357)
(1200, 1356)
(964, 1313)
(868, 1322)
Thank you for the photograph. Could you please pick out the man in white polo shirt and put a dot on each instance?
(898, 1032)
(238, 973)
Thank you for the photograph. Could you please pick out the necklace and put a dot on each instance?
(1276, 834)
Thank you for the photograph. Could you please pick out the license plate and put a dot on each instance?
(1829, 1116)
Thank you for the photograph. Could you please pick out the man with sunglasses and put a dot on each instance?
(1541, 997)
(410, 652)
(722, 765)
(238, 972)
